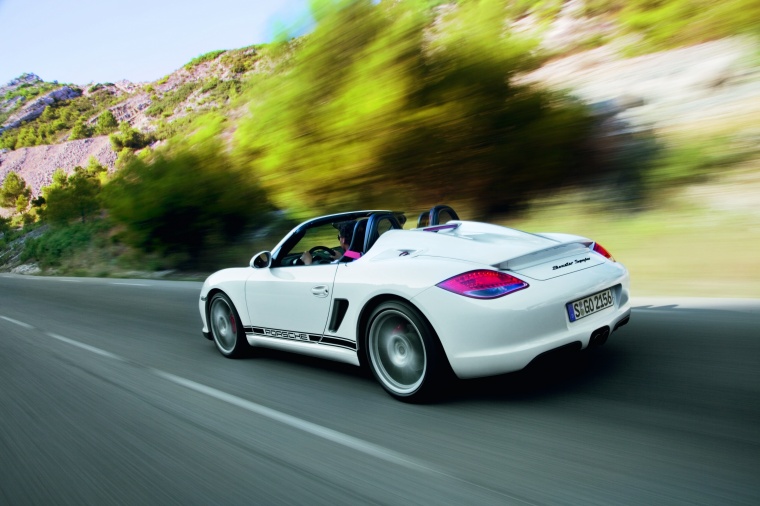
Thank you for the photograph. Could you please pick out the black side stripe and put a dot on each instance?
(302, 337)
(338, 341)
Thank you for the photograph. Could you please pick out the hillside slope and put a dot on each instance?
(680, 88)
(702, 84)
(666, 133)
(687, 88)
(36, 165)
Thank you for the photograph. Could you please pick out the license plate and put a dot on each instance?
(586, 306)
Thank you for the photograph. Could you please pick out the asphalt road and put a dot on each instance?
(110, 395)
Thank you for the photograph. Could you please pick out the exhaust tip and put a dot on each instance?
(599, 336)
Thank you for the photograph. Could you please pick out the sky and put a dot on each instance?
(98, 41)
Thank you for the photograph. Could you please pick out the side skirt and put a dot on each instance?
(330, 348)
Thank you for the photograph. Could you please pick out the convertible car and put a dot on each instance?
(421, 305)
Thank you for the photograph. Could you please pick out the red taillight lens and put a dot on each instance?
(600, 249)
(483, 284)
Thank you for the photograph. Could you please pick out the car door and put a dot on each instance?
(290, 301)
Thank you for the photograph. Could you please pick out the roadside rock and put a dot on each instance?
(11, 254)
(27, 269)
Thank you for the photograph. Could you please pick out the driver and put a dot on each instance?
(345, 234)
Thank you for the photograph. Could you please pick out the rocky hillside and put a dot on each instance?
(25, 111)
(36, 165)
(207, 82)
(676, 89)
(681, 88)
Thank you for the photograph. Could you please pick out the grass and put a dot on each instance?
(679, 248)
(169, 102)
(700, 232)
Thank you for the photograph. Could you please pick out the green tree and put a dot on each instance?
(106, 123)
(94, 167)
(182, 203)
(22, 202)
(75, 197)
(9, 139)
(27, 219)
(80, 131)
(5, 226)
(49, 114)
(128, 137)
(124, 158)
(60, 180)
(27, 137)
(401, 111)
(14, 187)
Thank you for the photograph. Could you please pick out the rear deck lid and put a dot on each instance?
(553, 262)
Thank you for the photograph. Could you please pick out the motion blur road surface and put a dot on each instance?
(110, 395)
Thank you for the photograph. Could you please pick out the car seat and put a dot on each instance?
(357, 239)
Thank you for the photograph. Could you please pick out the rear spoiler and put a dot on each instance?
(543, 255)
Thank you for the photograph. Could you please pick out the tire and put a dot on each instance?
(226, 327)
(404, 353)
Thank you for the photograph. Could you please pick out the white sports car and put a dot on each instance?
(416, 305)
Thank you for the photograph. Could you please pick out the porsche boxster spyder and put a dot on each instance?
(418, 305)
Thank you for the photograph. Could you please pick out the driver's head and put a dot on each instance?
(346, 233)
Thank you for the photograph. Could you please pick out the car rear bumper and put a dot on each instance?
(496, 336)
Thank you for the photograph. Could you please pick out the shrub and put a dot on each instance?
(167, 103)
(129, 137)
(14, 187)
(401, 119)
(106, 123)
(57, 244)
(211, 55)
(74, 197)
(80, 131)
(5, 226)
(181, 204)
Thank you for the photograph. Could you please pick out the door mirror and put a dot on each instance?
(261, 260)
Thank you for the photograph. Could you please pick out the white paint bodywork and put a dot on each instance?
(479, 337)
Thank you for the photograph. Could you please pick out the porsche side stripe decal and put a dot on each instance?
(338, 341)
(282, 334)
(301, 336)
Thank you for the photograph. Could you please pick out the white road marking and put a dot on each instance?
(22, 324)
(87, 347)
(289, 420)
(311, 428)
(297, 423)
(131, 284)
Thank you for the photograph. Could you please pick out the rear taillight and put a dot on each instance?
(600, 249)
(483, 284)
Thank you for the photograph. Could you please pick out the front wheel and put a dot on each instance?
(404, 353)
(226, 328)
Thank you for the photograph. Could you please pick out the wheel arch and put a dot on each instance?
(206, 308)
(238, 346)
(236, 296)
(209, 296)
(363, 321)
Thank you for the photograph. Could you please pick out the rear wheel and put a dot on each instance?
(226, 328)
(404, 353)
